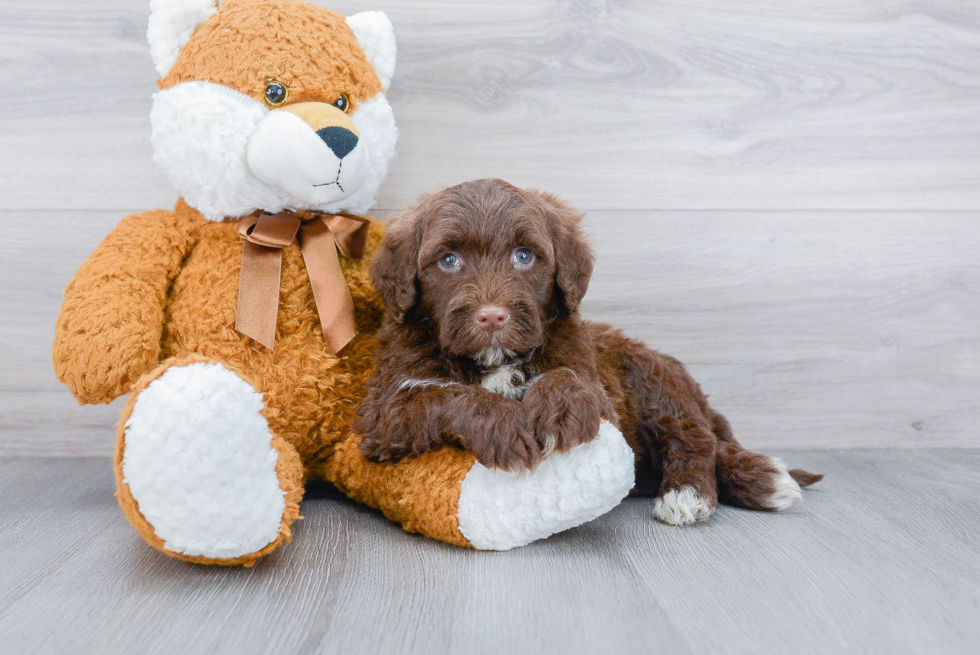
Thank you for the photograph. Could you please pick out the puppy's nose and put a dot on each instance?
(339, 139)
(492, 317)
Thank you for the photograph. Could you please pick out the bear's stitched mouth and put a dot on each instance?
(336, 180)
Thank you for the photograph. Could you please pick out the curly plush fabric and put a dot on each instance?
(171, 24)
(153, 308)
(120, 302)
(565, 491)
(310, 50)
(288, 469)
(115, 304)
(212, 107)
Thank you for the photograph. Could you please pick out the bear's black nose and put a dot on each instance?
(339, 139)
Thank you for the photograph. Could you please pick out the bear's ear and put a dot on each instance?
(376, 36)
(172, 22)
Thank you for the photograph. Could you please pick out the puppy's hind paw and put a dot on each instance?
(681, 507)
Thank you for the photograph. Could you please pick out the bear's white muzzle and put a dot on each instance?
(312, 151)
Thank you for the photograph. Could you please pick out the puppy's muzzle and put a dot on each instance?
(492, 317)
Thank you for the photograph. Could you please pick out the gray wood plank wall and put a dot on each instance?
(784, 195)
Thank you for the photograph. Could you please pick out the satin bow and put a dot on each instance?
(320, 236)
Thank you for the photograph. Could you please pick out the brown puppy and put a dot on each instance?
(483, 348)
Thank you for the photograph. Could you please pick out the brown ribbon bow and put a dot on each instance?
(320, 236)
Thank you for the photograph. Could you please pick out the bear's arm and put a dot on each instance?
(108, 332)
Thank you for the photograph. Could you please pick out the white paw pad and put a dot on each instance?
(681, 507)
(787, 490)
(199, 463)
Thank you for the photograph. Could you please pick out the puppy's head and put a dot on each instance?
(490, 265)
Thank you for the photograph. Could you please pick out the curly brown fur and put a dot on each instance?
(442, 379)
(483, 348)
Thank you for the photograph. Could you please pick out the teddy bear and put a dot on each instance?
(242, 323)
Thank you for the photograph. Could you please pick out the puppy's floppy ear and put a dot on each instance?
(573, 256)
(394, 269)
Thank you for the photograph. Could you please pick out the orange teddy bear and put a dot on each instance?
(242, 322)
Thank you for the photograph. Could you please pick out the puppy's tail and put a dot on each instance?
(805, 478)
(751, 480)
(754, 481)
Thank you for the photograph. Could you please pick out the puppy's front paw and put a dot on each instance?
(381, 450)
(510, 451)
(682, 507)
(498, 434)
(563, 410)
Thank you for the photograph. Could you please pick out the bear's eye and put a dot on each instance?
(342, 103)
(276, 93)
(523, 258)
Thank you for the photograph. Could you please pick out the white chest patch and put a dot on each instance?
(505, 380)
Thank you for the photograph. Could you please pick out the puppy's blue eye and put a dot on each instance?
(523, 258)
(449, 261)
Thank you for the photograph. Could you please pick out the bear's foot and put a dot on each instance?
(500, 510)
(200, 475)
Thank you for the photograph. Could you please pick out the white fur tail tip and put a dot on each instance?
(500, 510)
(787, 490)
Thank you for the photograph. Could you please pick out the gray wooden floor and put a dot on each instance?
(881, 558)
